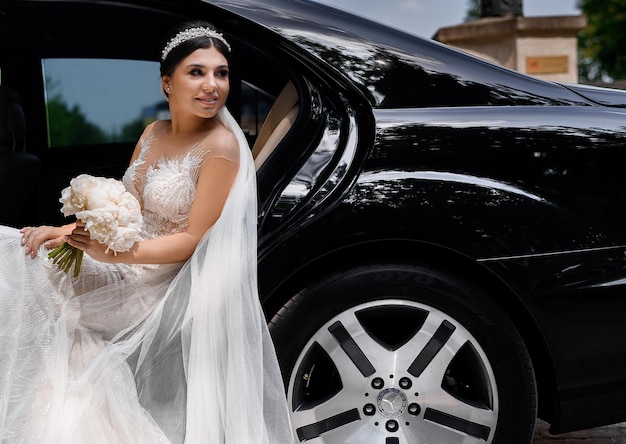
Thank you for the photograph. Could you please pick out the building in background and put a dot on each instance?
(544, 47)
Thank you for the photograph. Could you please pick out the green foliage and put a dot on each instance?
(473, 10)
(602, 44)
(68, 126)
(132, 130)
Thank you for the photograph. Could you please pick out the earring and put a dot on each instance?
(167, 89)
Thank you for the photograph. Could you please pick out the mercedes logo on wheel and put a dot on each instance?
(391, 403)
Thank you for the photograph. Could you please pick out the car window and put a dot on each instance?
(95, 101)
(255, 104)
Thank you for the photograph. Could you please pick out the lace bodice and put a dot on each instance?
(165, 190)
(165, 186)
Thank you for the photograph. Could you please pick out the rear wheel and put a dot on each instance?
(392, 354)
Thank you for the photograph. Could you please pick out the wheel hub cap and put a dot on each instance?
(391, 403)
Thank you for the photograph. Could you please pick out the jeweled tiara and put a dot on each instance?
(192, 33)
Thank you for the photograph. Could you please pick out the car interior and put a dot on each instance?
(276, 125)
(18, 169)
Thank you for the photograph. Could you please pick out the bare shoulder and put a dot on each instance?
(222, 143)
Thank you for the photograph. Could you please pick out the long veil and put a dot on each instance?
(226, 386)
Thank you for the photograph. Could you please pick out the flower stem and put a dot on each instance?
(65, 255)
(79, 262)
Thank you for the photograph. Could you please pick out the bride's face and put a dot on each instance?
(199, 85)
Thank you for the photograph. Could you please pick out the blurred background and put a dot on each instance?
(596, 30)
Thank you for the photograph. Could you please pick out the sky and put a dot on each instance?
(425, 17)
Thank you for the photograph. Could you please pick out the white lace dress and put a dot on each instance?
(144, 353)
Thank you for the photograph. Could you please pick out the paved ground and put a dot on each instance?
(615, 434)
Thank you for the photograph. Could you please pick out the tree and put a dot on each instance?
(68, 126)
(473, 10)
(602, 44)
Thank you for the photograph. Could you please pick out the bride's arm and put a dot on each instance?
(215, 180)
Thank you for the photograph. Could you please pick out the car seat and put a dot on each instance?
(276, 125)
(19, 170)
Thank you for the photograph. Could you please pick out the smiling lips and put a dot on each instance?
(209, 101)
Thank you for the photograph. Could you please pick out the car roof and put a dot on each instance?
(363, 50)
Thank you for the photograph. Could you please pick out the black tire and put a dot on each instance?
(397, 353)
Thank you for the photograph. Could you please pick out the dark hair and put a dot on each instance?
(177, 54)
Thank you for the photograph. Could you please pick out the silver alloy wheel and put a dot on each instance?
(436, 386)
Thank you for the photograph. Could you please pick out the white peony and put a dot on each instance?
(111, 215)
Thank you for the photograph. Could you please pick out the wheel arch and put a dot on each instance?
(444, 259)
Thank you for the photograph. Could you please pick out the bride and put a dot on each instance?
(166, 342)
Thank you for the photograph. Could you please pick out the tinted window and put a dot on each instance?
(255, 104)
(93, 101)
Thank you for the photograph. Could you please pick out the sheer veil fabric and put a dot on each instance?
(180, 356)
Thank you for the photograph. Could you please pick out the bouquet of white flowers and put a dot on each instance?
(111, 215)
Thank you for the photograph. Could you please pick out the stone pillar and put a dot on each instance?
(544, 47)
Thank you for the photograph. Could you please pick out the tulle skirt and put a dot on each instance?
(136, 354)
(65, 372)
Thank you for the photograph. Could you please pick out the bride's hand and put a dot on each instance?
(80, 239)
(34, 237)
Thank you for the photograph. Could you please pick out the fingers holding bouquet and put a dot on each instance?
(80, 238)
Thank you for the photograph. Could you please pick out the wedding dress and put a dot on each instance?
(132, 354)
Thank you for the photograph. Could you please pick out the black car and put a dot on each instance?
(442, 242)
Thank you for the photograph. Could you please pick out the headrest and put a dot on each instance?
(284, 104)
(12, 121)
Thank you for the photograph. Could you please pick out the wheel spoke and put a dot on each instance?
(352, 349)
(448, 411)
(356, 354)
(349, 372)
(432, 348)
(438, 342)
(310, 425)
(459, 424)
